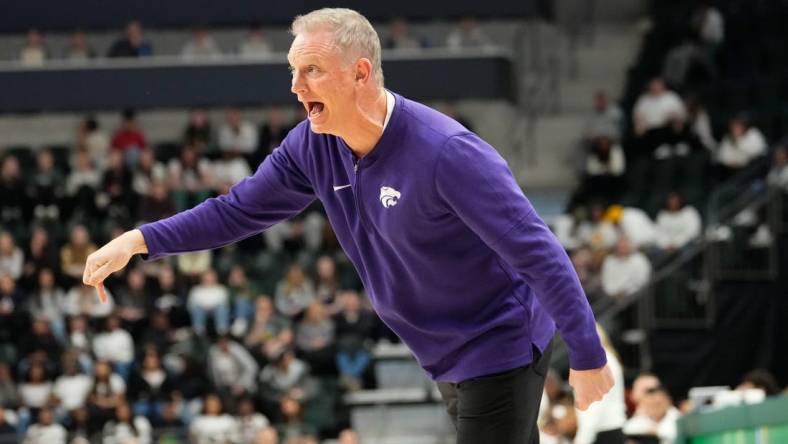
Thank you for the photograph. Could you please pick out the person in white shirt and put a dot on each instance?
(201, 46)
(250, 423)
(603, 421)
(209, 297)
(11, 257)
(116, 346)
(255, 44)
(677, 224)
(740, 146)
(656, 107)
(633, 223)
(127, 428)
(46, 430)
(626, 271)
(655, 416)
(237, 134)
(778, 174)
(35, 392)
(231, 367)
(72, 388)
(213, 425)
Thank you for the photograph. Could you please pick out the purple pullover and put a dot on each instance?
(453, 256)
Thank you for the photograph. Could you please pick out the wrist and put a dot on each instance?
(135, 241)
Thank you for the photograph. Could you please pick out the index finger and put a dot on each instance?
(101, 292)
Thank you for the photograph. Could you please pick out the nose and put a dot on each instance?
(297, 84)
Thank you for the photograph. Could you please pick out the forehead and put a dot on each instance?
(318, 44)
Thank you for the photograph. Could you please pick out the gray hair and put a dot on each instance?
(352, 33)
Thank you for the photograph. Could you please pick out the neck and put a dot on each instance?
(368, 126)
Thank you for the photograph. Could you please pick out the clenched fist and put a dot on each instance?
(112, 257)
(590, 385)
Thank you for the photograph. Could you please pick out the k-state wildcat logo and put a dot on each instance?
(389, 196)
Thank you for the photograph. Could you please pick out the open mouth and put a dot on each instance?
(314, 109)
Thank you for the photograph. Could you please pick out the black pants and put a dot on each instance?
(501, 408)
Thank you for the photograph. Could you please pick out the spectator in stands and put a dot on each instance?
(209, 297)
(116, 346)
(134, 301)
(250, 423)
(81, 300)
(45, 430)
(237, 135)
(212, 425)
(80, 340)
(201, 46)
(604, 172)
(255, 44)
(327, 282)
(147, 171)
(267, 435)
(293, 425)
(700, 124)
(191, 178)
(677, 224)
(778, 174)
(130, 139)
(232, 369)
(286, 376)
(81, 186)
(270, 333)
(75, 252)
(242, 294)
(640, 386)
(687, 65)
(655, 416)
(9, 399)
(132, 44)
(40, 342)
(79, 50)
(272, 133)
(106, 395)
(656, 108)
(626, 271)
(92, 138)
(71, 388)
(314, 339)
(8, 422)
(598, 232)
(14, 202)
(150, 385)
(633, 223)
(709, 24)
(467, 34)
(11, 302)
(741, 145)
(156, 203)
(400, 37)
(33, 53)
(198, 131)
(47, 303)
(194, 265)
(127, 428)
(760, 379)
(606, 119)
(295, 292)
(34, 393)
(170, 293)
(116, 197)
(46, 188)
(12, 259)
(40, 253)
(603, 421)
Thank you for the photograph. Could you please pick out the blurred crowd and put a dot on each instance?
(253, 341)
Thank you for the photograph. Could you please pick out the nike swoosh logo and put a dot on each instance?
(337, 188)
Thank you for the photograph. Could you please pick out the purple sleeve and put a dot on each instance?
(276, 191)
(476, 184)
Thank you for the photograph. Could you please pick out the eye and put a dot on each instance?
(312, 69)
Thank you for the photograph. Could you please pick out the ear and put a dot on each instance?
(363, 70)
